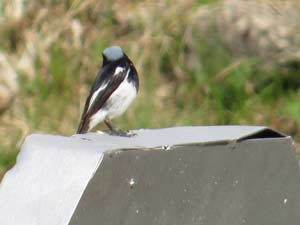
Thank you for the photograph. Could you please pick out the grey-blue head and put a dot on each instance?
(113, 53)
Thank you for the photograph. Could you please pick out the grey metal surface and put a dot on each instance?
(252, 182)
(95, 177)
(149, 138)
(48, 180)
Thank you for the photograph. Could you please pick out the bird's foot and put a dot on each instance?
(121, 133)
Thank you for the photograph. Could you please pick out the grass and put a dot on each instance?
(181, 84)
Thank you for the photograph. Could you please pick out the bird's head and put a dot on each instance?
(112, 54)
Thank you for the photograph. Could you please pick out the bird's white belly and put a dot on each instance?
(116, 104)
(97, 118)
(120, 100)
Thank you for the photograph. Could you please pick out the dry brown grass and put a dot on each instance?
(191, 69)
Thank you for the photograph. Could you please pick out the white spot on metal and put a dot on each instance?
(132, 182)
(235, 183)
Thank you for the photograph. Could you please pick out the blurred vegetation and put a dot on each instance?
(188, 77)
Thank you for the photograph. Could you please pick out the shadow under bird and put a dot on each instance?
(115, 87)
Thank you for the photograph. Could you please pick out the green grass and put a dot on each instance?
(216, 88)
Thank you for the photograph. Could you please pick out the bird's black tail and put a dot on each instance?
(83, 127)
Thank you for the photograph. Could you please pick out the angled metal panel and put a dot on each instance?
(255, 181)
(45, 185)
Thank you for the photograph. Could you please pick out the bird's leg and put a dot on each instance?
(115, 131)
(110, 125)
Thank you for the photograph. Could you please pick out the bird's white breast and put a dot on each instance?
(120, 100)
(116, 104)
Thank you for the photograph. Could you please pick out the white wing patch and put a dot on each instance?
(119, 70)
(95, 95)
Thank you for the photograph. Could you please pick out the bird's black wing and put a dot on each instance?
(112, 82)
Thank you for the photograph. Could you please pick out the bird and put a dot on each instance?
(115, 87)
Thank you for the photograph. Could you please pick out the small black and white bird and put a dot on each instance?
(113, 90)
